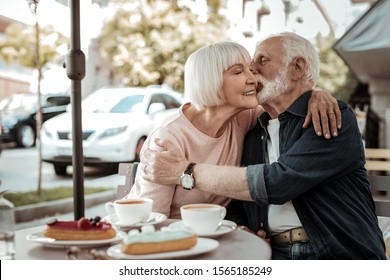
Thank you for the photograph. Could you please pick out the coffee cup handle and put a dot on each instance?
(110, 208)
(223, 213)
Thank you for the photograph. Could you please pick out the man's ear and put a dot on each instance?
(298, 68)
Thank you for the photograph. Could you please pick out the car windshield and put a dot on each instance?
(110, 104)
(18, 102)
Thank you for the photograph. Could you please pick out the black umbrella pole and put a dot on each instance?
(75, 69)
(78, 159)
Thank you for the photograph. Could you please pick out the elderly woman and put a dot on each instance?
(211, 127)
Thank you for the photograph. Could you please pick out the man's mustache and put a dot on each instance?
(260, 84)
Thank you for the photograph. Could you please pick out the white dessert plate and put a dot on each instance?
(40, 238)
(154, 218)
(225, 227)
(203, 245)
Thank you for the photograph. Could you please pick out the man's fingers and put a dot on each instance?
(145, 155)
(165, 145)
(161, 144)
(261, 233)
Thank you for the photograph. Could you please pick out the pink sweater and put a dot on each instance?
(197, 147)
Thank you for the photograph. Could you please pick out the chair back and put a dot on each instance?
(377, 160)
(381, 184)
(129, 170)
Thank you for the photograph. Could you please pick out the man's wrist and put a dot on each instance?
(187, 179)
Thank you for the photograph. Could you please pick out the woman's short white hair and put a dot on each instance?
(295, 45)
(203, 72)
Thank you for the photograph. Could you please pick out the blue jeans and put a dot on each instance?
(296, 251)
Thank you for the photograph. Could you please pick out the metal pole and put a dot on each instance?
(75, 69)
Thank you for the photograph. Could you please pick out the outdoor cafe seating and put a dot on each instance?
(232, 243)
(378, 168)
(236, 244)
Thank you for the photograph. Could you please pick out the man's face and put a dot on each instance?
(273, 88)
(270, 70)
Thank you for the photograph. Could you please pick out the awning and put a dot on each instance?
(365, 47)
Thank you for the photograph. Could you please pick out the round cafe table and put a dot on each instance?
(235, 245)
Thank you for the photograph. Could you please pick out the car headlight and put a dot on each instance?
(47, 132)
(112, 131)
(10, 122)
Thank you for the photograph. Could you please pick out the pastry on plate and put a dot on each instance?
(83, 229)
(151, 241)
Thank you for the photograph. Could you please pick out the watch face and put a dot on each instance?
(187, 181)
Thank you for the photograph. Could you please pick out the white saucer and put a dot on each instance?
(154, 218)
(226, 227)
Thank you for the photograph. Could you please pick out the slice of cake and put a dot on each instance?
(150, 241)
(83, 229)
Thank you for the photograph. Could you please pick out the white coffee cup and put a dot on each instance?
(130, 211)
(202, 218)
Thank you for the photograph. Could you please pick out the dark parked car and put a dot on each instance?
(19, 115)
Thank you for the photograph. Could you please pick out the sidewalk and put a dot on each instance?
(94, 205)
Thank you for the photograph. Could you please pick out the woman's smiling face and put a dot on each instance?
(239, 87)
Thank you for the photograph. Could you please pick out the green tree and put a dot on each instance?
(34, 47)
(19, 45)
(147, 41)
(335, 75)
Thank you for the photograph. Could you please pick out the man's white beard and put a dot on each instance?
(274, 88)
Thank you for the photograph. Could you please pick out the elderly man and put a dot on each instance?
(310, 195)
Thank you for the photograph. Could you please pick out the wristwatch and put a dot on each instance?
(187, 180)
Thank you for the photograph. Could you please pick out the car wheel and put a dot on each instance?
(60, 169)
(25, 136)
(138, 148)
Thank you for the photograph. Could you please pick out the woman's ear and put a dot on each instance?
(298, 68)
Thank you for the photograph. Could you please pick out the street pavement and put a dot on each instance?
(19, 172)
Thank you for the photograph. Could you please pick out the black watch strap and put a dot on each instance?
(190, 168)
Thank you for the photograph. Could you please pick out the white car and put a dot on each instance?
(115, 124)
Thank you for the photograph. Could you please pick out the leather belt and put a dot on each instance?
(291, 236)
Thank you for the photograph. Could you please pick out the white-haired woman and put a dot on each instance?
(211, 127)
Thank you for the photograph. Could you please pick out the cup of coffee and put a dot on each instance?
(202, 218)
(130, 211)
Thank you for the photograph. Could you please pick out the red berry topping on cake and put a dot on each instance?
(99, 225)
(84, 224)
